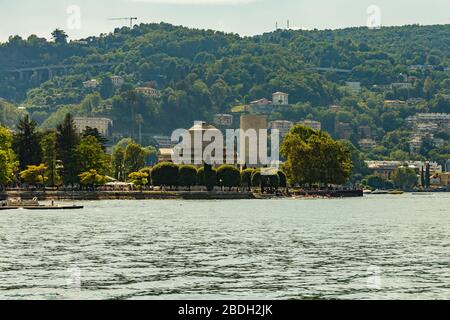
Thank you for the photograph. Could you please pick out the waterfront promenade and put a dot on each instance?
(166, 195)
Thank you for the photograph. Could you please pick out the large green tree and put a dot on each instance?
(8, 163)
(50, 157)
(165, 174)
(405, 178)
(134, 158)
(91, 156)
(228, 176)
(188, 176)
(26, 143)
(59, 36)
(67, 140)
(35, 175)
(314, 157)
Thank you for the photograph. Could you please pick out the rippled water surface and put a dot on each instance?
(377, 247)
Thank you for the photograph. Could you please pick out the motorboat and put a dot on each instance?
(396, 192)
(377, 192)
(33, 204)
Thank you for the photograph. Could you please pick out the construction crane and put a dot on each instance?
(131, 20)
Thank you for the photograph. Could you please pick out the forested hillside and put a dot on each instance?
(203, 72)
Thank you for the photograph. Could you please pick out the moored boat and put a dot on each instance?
(74, 207)
(396, 192)
(380, 192)
(18, 203)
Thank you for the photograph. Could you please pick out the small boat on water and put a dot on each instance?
(74, 207)
(396, 192)
(18, 203)
(377, 192)
(367, 192)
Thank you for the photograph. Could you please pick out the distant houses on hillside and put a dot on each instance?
(265, 105)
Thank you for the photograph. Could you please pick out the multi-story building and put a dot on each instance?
(415, 144)
(394, 104)
(280, 99)
(250, 147)
(383, 169)
(149, 91)
(165, 154)
(441, 119)
(117, 81)
(316, 125)
(415, 101)
(444, 180)
(343, 130)
(224, 120)
(103, 125)
(283, 126)
(163, 142)
(261, 106)
(365, 132)
(402, 85)
(91, 84)
(367, 144)
(354, 86)
(193, 153)
(386, 169)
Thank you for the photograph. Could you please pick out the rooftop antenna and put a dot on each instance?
(288, 24)
(130, 19)
(276, 25)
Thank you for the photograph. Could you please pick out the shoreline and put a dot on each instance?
(167, 195)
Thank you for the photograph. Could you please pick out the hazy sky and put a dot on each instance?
(246, 17)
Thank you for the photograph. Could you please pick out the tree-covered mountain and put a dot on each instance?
(204, 72)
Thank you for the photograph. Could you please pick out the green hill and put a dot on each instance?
(203, 72)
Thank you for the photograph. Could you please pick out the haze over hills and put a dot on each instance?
(200, 73)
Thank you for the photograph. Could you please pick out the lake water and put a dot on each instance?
(377, 247)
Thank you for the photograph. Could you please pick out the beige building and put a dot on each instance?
(165, 155)
(103, 125)
(402, 85)
(316, 125)
(386, 169)
(225, 120)
(250, 145)
(197, 151)
(280, 99)
(394, 103)
(93, 83)
(383, 169)
(445, 179)
(283, 126)
(148, 91)
(367, 144)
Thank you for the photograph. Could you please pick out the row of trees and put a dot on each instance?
(63, 156)
(170, 175)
